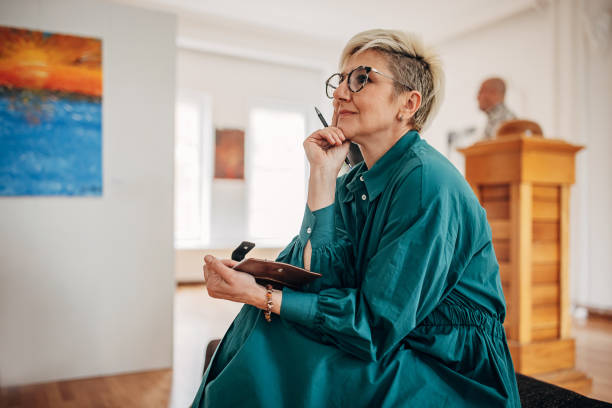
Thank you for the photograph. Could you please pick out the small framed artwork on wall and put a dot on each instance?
(229, 154)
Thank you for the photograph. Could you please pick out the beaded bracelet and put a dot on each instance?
(268, 311)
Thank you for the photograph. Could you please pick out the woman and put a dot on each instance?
(409, 310)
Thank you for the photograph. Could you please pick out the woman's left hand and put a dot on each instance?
(223, 282)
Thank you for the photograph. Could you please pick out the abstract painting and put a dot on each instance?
(229, 154)
(50, 114)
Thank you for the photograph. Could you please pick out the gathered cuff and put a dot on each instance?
(318, 226)
(299, 307)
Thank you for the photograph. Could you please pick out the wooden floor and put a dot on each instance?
(150, 389)
(594, 354)
(199, 319)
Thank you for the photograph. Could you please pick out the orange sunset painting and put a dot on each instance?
(50, 113)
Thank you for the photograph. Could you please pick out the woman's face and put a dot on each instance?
(372, 110)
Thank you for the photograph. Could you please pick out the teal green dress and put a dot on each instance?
(409, 310)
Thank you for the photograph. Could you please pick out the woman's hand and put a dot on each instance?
(326, 149)
(223, 282)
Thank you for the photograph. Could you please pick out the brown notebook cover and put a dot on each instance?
(277, 274)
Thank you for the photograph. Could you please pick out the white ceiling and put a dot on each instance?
(435, 20)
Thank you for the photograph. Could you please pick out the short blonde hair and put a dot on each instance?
(410, 62)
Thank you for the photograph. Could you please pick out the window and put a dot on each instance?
(276, 174)
(193, 170)
(266, 207)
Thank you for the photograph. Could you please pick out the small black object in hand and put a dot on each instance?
(241, 251)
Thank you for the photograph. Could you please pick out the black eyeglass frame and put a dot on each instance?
(348, 78)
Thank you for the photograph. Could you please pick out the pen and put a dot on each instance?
(324, 122)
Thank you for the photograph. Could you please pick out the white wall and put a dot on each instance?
(86, 284)
(497, 50)
(557, 79)
(591, 124)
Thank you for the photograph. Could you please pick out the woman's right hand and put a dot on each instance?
(326, 149)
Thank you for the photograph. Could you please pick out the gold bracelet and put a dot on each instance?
(268, 311)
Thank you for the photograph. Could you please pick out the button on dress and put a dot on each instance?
(409, 310)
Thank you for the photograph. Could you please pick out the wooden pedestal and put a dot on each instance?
(523, 184)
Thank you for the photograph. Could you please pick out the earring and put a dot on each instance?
(400, 118)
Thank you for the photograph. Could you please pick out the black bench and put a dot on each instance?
(539, 394)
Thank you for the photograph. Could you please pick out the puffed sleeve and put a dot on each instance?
(332, 252)
(403, 282)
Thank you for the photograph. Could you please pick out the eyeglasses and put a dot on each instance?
(357, 79)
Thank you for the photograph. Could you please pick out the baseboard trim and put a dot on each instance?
(597, 312)
(601, 314)
(182, 284)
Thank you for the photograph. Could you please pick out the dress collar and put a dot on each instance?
(376, 178)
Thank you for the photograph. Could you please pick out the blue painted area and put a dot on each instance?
(50, 144)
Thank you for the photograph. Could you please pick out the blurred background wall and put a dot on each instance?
(87, 283)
